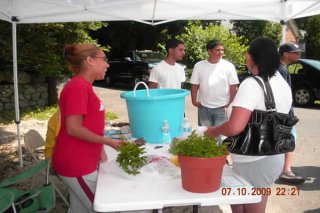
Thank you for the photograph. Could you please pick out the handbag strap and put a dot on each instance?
(268, 95)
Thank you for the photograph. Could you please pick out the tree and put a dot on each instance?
(313, 37)
(40, 45)
(129, 35)
(196, 37)
(40, 48)
(253, 29)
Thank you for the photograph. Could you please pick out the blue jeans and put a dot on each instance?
(294, 133)
(211, 116)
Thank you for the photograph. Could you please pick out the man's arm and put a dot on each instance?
(233, 90)
(194, 93)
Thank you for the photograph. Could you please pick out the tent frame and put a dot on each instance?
(159, 13)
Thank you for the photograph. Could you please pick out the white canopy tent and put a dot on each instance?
(154, 11)
(151, 12)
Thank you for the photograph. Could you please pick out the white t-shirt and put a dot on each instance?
(214, 82)
(250, 96)
(168, 76)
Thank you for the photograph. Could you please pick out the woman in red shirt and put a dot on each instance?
(79, 147)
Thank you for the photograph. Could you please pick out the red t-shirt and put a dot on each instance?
(73, 157)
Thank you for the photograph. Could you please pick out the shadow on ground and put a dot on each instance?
(312, 211)
(312, 175)
(314, 106)
(6, 136)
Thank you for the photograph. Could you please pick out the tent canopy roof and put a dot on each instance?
(154, 11)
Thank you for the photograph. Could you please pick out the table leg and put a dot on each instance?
(195, 208)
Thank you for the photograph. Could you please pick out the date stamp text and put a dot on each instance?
(242, 191)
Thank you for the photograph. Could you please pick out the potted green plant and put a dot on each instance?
(201, 160)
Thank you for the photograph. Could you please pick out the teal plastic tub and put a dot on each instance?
(148, 108)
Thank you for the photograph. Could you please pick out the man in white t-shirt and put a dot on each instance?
(168, 73)
(214, 84)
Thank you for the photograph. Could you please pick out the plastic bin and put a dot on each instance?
(149, 107)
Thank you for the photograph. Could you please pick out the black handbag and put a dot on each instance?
(267, 132)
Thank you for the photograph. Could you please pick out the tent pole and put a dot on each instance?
(15, 85)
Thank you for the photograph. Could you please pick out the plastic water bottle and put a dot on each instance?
(165, 131)
(186, 128)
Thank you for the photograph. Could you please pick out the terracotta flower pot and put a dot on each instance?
(201, 175)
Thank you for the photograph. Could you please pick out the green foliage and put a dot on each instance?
(313, 37)
(196, 37)
(198, 146)
(110, 115)
(40, 45)
(130, 35)
(38, 113)
(41, 114)
(253, 29)
(294, 68)
(130, 158)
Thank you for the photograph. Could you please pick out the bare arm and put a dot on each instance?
(233, 91)
(74, 128)
(236, 123)
(152, 84)
(194, 93)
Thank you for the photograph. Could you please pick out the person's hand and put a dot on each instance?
(211, 132)
(196, 103)
(117, 143)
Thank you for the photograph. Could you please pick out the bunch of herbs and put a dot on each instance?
(131, 158)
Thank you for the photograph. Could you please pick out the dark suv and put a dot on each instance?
(305, 77)
(132, 67)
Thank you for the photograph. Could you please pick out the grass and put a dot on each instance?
(110, 115)
(40, 114)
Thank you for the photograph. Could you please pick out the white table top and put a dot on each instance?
(118, 191)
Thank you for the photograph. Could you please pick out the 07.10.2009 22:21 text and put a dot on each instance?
(279, 191)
